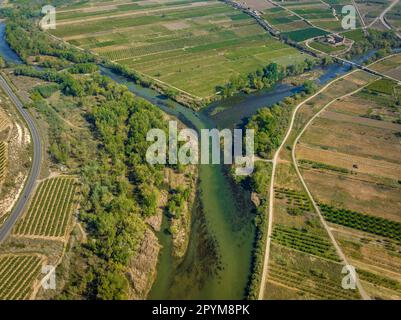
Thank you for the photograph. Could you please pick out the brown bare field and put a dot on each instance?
(346, 161)
(354, 139)
(371, 252)
(351, 193)
(360, 120)
(395, 73)
(380, 293)
(259, 5)
(358, 106)
(286, 177)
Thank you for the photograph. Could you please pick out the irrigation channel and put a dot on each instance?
(218, 259)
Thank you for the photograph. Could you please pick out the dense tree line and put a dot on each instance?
(68, 84)
(84, 68)
(270, 124)
(262, 78)
(375, 40)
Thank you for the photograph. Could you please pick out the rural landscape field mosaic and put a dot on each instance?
(193, 46)
(95, 204)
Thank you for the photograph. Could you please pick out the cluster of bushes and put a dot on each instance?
(84, 68)
(265, 77)
(177, 200)
(269, 125)
(319, 165)
(258, 254)
(56, 64)
(260, 177)
(46, 90)
(68, 84)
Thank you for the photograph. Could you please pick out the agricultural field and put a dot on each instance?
(50, 211)
(304, 277)
(3, 160)
(4, 122)
(323, 47)
(193, 46)
(371, 9)
(291, 25)
(324, 15)
(304, 34)
(393, 17)
(390, 67)
(17, 275)
(304, 263)
(350, 159)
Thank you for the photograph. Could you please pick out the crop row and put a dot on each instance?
(192, 43)
(3, 160)
(320, 165)
(17, 274)
(379, 280)
(3, 123)
(294, 198)
(50, 210)
(314, 285)
(376, 225)
(304, 241)
(3, 218)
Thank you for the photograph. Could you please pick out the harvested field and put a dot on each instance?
(355, 194)
(354, 139)
(361, 121)
(356, 164)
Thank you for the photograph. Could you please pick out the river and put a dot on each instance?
(218, 259)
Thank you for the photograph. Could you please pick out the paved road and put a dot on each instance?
(34, 173)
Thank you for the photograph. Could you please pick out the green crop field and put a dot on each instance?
(304, 34)
(325, 47)
(292, 16)
(304, 241)
(17, 275)
(192, 46)
(384, 86)
(3, 160)
(375, 225)
(50, 210)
